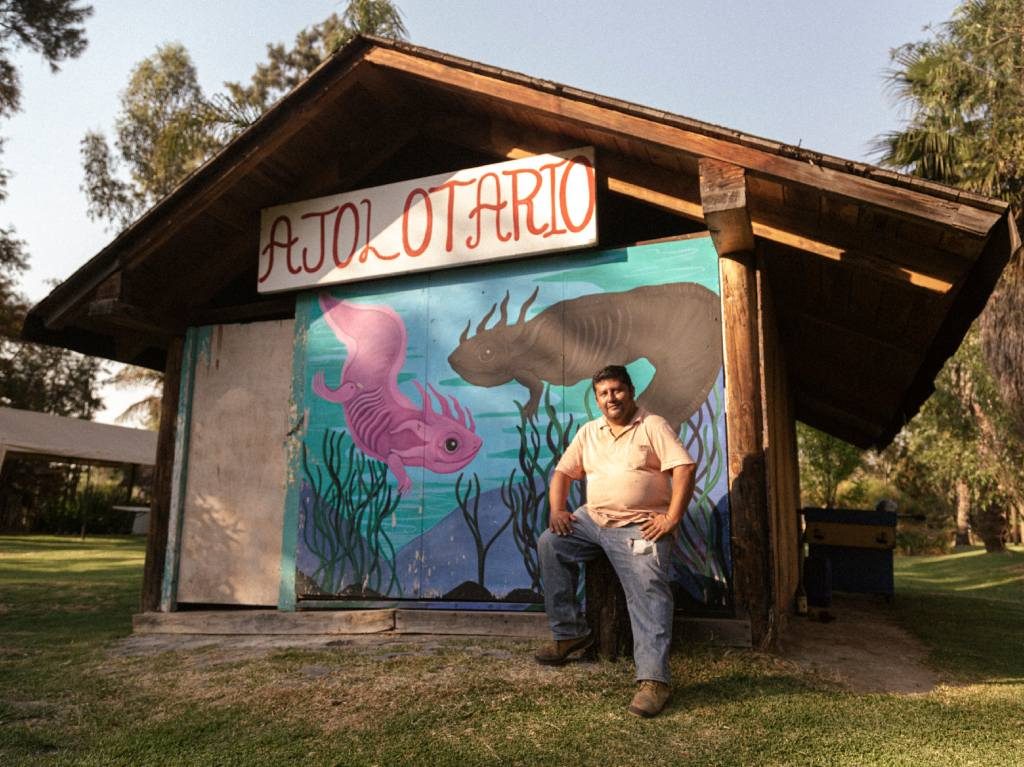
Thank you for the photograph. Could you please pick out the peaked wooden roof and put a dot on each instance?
(875, 276)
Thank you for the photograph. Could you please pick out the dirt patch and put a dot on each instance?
(863, 648)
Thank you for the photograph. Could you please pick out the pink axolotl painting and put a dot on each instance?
(383, 422)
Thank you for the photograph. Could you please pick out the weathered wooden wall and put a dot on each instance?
(233, 505)
(160, 508)
(782, 470)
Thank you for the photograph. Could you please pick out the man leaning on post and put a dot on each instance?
(639, 482)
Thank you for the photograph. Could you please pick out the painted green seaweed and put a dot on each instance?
(525, 491)
(702, 541)
(344, 525)
(469, 505)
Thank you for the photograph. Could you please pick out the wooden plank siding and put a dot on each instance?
(781, 464)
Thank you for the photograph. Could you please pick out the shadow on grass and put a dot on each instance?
(971, 573)
(39, 544)
(737, 687)
(971, 638)
(86, 573)
(968, 608)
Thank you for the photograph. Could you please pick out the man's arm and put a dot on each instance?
(660, 525)
(559, 519)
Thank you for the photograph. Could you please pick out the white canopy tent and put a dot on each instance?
(27, 432)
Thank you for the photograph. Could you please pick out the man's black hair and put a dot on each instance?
(613, 373)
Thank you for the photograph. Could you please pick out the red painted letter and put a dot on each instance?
(274, 244)
(577, 162)
(450, 186)
(497, 206)
(323, 218)
(552, 167)
(341, 264)
(526, 201)
(367, 247)
(409, 249)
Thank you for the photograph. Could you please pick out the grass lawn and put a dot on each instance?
(72, 693)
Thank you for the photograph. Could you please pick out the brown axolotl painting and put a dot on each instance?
(676, 327)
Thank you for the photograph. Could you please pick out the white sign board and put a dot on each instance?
(525, 207)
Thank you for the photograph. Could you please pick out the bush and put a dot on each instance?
(930, 533)
(915, 538)
(94, 507)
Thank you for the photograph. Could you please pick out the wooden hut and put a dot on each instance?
(841, 289)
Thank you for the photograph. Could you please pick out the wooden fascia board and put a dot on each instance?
(912, 204)
(211, 180)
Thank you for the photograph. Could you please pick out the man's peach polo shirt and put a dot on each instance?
(628, 476)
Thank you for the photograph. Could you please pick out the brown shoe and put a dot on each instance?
(650, 698)
(561, 651)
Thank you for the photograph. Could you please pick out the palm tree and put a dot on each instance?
(146, 411)
(964, 89)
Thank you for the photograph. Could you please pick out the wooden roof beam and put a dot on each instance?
(663, 190)
(112, 311)
(857, 259)
(502, 139)
(723, 197)
(655, 188)
(908, 203)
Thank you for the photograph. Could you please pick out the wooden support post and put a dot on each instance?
(156, 541)
(723, 196)
(607, 614)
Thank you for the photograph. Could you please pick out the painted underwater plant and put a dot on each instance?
(384, 423)
(526, 495)
(467, 535)
(343, 517)
(702, 545)
(468, 498)
(676, 326)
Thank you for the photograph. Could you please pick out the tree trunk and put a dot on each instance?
(1017, 522)
(990, 525)
(963, 514)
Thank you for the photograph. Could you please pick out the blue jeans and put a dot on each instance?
(642, 570)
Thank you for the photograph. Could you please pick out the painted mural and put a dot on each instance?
(433, 419)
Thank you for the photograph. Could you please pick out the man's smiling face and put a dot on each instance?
(615, 399)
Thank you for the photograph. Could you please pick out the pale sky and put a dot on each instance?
(800, 71)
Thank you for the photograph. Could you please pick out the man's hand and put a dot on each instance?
(658, 526)
(560, 522)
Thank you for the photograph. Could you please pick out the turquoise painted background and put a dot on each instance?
(465, 538)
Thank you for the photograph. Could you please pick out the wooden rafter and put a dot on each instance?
(674, 193)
